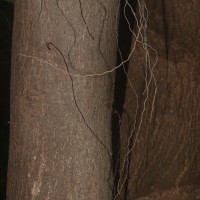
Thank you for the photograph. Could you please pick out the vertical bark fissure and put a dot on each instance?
(124, 48)
(165, 28)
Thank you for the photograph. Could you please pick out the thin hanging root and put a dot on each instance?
(140, 38)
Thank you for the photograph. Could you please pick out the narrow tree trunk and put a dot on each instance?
(160, 137)
(60, 142)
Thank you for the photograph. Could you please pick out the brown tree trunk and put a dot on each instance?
(160, 156)
(60, 142)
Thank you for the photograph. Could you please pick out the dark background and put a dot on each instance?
(6, 18)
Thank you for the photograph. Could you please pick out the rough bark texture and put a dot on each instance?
(60, 140)
(165, 160)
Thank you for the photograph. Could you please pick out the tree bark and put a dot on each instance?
(160, 154)
(60, 140)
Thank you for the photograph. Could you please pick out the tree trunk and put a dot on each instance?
(160, 140)
(60, 140)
